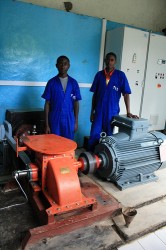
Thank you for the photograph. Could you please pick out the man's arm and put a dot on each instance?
(93, 108)
(76, 111)
(127, 103)
(46, 111)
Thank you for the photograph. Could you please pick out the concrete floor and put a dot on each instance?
(152, 241)
(148, 199)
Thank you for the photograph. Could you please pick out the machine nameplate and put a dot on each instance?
(65, 170)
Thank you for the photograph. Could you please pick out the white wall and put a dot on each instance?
(147, 14)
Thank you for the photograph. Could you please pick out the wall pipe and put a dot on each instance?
(102, 44)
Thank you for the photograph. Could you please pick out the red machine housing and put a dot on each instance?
(62, 200)
(55, 173)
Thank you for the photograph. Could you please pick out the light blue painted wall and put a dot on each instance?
(113, 25)
(31, 38)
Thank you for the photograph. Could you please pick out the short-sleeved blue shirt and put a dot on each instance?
(108, 96)
(61, 113)
(107, 99)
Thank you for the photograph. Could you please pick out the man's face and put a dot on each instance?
(63, 65)
(110, 62)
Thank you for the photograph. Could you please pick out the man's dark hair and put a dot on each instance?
(110, 54)
(62, 57)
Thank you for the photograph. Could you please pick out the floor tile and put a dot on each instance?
(151, 242)
(132, 246)
(161, 234)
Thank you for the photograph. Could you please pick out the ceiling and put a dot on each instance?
(147, 14)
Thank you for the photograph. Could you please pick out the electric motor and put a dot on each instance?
(131, 156)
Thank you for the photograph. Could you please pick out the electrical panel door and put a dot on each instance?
(154, 97)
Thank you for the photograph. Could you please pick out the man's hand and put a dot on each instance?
(76, 126)
(47, 130)
(92, 116)
(132, 116)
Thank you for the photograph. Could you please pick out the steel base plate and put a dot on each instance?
(107, 206)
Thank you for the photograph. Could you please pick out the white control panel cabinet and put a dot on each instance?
(142, 57)
(154, 96)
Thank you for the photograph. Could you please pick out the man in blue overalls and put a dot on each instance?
(108, 85)
(62, 95)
